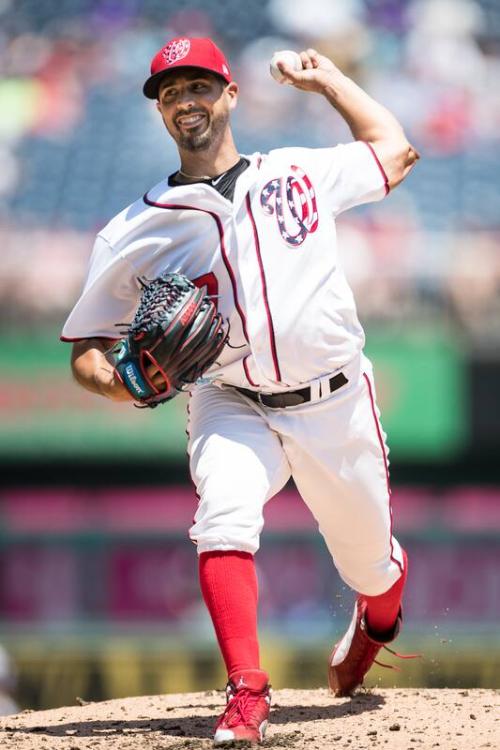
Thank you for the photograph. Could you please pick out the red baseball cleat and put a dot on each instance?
(353, 656)
(244, 721)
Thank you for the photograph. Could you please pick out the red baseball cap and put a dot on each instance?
(197, 52)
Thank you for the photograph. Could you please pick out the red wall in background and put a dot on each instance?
(124, 555)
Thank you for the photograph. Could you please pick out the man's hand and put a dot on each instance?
(317, 71)
(93, 368)
(367, 119)
(107, 384)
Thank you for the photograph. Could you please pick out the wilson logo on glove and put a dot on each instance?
(132, 380)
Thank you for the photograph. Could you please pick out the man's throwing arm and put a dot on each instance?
(367, 119)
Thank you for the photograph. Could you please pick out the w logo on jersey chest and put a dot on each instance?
(293, 201)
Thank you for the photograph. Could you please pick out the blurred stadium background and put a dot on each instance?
(98, 593)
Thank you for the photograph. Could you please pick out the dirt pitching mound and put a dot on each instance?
(389, 719)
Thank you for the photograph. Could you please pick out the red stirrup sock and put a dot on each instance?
(229, 587)
(382, 610)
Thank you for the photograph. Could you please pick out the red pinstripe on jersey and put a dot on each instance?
(247, 372)
(272, 340)
(220, 228)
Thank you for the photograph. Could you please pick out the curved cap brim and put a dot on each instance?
(152, 85)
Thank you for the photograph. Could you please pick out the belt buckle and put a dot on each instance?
(261, 400)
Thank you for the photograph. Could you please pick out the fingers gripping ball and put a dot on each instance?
(288, 57)
(176, 335)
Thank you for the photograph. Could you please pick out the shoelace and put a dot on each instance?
(400, 656)
(240, 707)
(365, 656)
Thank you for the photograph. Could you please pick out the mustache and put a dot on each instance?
(189, 113)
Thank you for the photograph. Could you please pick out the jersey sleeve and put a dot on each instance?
(110, 296)
(346, 175)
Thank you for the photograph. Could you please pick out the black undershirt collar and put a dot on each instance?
(224, 183)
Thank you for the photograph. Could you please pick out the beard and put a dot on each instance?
(202, 141)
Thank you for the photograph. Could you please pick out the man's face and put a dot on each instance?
(195, 107)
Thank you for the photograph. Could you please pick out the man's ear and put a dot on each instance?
(232, 91)
(158, 105)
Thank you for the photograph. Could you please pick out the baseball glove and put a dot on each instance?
(176, 335)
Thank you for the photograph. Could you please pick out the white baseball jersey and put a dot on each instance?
(270, 255)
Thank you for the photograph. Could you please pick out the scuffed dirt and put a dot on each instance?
(397, 719)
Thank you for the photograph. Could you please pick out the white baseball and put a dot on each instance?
(287, 56)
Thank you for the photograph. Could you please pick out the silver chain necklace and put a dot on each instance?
(196, 176)
(204, 176)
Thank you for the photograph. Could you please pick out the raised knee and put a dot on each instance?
(372, 580)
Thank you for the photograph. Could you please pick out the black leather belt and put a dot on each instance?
(291, 398)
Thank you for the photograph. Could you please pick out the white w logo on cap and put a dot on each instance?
(176, 50)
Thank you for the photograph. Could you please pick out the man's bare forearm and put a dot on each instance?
(367, 119)
(93, 368)
(371, 122)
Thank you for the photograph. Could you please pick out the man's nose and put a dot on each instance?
(185, 97)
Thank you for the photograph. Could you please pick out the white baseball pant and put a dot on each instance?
(242, 453)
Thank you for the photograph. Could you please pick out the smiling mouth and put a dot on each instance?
(190, 121)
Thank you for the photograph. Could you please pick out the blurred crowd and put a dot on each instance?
(78, 141)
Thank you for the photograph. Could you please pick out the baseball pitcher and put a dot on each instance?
(270, 349)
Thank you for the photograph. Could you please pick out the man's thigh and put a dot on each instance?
(237, 463)
(338, 457)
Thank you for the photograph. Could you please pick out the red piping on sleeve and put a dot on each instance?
(379, 165)
(67, 340)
